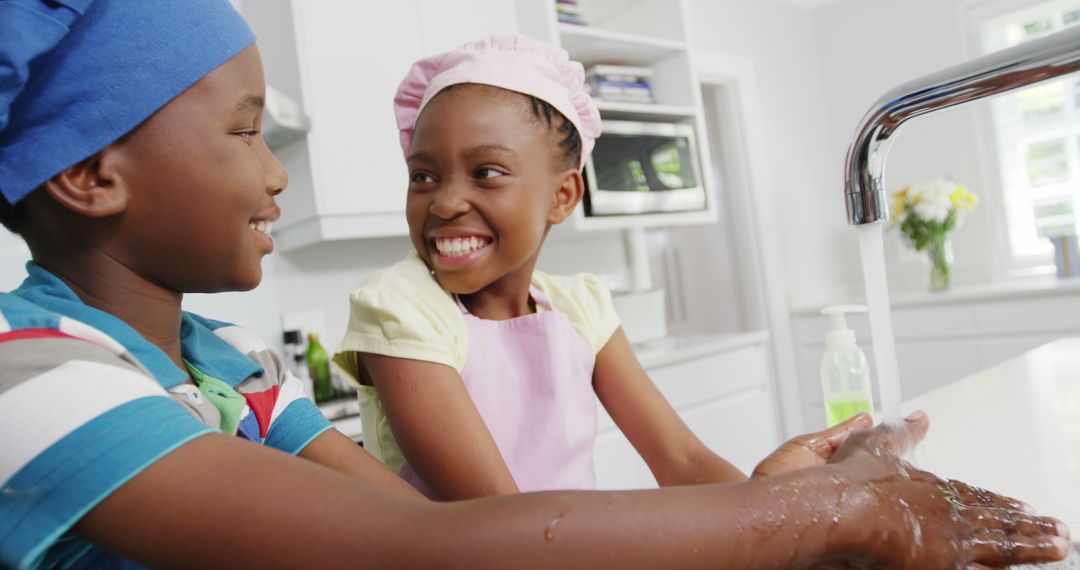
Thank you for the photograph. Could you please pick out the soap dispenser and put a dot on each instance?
(845, 372)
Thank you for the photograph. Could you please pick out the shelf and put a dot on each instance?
(591, 46)
(583, 223)
(619, 110)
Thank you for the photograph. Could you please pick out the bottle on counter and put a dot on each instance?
(845, 372)
(294, 361)
(318, 364)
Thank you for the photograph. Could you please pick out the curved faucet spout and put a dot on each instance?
(999, 72)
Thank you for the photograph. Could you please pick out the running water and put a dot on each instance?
(872, 248)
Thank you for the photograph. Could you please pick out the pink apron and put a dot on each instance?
(531, 380)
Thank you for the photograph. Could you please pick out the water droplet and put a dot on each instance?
(549, 530)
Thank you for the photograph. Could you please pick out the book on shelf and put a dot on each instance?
(607, 70)
(620, 83)
(574, 20)
(626, 98)
(570, 13)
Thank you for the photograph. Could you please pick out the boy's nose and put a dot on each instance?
(277, 178)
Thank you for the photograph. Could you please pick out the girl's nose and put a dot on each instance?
(450, 201)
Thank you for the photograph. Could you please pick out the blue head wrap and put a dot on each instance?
(76, 75)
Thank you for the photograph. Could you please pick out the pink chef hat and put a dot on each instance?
(515, 63)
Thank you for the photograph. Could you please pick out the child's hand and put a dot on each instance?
(921, 521)
(811, 449)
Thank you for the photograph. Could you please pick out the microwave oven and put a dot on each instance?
(643, 168)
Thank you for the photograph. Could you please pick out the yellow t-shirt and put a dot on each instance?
(403, 312)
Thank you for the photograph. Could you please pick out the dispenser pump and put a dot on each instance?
(838, 332)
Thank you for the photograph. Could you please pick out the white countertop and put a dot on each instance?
(678, 348)
(1013, 428)
(1029, 288)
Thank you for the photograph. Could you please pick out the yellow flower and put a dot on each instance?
(963, 199)
(900, 197)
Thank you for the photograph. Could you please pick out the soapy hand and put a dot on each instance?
(811, 449)
(921, 521)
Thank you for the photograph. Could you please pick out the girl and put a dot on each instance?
(488, 379)
(132, 164)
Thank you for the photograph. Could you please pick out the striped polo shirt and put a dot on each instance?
(86, 403)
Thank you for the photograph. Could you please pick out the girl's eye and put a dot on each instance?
(487, 173)
(420, 178)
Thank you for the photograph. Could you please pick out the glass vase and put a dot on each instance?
(939, 250)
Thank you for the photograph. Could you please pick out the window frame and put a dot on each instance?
(992, 147)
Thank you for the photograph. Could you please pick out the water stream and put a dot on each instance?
(872, 249)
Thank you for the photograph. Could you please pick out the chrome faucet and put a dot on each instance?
(999, 72)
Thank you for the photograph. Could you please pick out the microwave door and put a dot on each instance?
(643, 173)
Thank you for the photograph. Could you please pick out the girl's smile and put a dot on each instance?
(453, 251)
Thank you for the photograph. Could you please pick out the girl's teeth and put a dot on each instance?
(455, 247)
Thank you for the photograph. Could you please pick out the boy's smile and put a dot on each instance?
(262, 225)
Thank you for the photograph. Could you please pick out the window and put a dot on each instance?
(1038, 136)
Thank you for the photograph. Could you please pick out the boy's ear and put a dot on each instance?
(91, 188)
(570, 192)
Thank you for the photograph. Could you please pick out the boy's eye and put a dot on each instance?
(246, 135)
(487, 173)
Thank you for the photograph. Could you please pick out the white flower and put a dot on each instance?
(931, 199)
(932, 212)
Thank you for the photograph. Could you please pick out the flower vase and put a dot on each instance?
(939, 250)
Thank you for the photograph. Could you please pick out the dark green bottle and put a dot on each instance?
(319, 365)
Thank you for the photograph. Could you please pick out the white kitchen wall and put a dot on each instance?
(819, 250)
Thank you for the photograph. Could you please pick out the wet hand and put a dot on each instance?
(811, 449)
(913, 519)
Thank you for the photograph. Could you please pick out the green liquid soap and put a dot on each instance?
(845, 373)
(837, 412)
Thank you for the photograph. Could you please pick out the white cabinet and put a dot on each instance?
(724, 395)
(346, 59)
